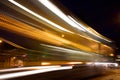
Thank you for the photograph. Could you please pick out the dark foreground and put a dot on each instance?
(55, 73)
(112, 74)
(80, 72)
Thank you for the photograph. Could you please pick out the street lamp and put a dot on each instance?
(1, 45)
(1, 41)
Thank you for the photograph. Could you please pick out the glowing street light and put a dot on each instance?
(111, 54)
(1, 41)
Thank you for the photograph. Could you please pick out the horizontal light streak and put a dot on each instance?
(67, 50)
(45, 63)
(38, 16)
(29, 31)
(75, 63)
(59, 13)
(26, 73)
(61, 63)
(105, 63)
(27, 68)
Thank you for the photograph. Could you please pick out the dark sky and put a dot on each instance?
(101, 15)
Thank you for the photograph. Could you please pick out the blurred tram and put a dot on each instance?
(46, 33)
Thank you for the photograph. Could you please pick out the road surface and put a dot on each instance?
(112, 74)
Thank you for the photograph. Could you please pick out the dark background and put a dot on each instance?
(101, 15)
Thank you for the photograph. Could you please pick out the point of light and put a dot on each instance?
(116, 64)
(38, 16)
(63, 35)
(45, 63)
(111, 54)
(1, 41)
(75, 63)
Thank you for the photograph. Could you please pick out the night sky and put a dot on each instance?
(101, 15)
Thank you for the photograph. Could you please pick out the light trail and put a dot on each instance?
(59, 13)
(38, 16)
(27, 68)
(26, 73)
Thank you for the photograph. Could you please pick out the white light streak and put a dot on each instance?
(68, 19)
(105, 63)
(87, 29)
(77, 23)
(70, 51)
(26, 73)
(27, 68)
(99, 36)
(38, 16)
(59, 13)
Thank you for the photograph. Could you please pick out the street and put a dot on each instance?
(112, 74)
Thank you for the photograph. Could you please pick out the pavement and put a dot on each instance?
(112, 74)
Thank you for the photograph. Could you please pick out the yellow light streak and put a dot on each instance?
(75, 63)
(29, 31)
(13, 44)
(45, 63)
(69, 19)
